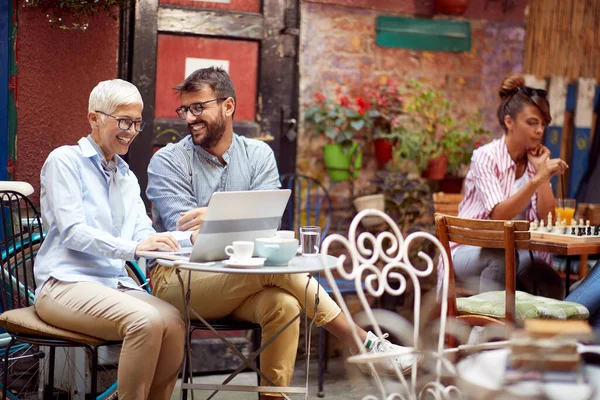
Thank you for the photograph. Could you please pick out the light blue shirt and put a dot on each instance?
(80, 245)
(249, 165)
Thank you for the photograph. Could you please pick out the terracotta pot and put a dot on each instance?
(451, 184)
(383, 151)
(452, 7)
(436, 168)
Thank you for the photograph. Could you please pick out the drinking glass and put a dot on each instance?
(565, 209)
(310, 238)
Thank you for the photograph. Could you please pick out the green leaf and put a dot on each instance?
(357, 125)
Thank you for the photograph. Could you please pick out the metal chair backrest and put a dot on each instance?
(385, 267)
(508, 235)
(309, 204)
(22, 231)
(447, 203)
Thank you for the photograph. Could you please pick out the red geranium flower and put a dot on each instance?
(344, 101)
(320, 98)
(363, 105)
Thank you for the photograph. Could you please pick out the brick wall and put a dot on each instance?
(338, 50)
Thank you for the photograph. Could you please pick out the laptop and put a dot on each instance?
(230, 216)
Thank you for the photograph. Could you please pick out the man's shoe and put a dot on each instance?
(404, 362)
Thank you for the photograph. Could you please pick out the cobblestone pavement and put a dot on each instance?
(342, 381)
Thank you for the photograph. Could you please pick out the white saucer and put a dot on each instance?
(254, 262)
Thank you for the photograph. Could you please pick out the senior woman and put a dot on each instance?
(95, 220)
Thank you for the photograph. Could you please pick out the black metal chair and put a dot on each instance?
(311, 205)
(22, 236)
(225, 324)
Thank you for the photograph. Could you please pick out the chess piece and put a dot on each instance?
(550, 221)
(533, 226)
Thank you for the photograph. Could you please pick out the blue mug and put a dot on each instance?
(277, 250)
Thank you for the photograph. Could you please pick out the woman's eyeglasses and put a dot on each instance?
(125, 123)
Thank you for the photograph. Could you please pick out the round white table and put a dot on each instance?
(296, 265)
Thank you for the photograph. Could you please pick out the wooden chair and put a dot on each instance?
(508, 235)
(447, 203)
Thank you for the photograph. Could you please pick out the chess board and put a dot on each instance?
(563, 238)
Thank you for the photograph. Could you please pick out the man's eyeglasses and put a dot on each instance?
(195, 108)
(529, 91)
(125, 123)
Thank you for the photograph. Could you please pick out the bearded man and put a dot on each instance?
(181, 179)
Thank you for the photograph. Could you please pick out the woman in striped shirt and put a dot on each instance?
(509, 179)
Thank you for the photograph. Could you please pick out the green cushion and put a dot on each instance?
(491, 304)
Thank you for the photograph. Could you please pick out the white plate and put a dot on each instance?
(254, 262)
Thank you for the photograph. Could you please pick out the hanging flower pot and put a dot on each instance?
(436, 168)
(452, 7)
(451, 184)
(341, 160)
(384, 149)
(375, 201)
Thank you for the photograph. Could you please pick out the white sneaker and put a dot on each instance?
(374, 345)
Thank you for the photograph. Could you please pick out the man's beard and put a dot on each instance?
(213, 132)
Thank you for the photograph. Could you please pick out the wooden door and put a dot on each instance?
(256, 41)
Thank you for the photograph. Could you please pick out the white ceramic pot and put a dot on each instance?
(376, 201)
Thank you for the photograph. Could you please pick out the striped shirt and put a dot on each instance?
(184, 176)
(489, 182)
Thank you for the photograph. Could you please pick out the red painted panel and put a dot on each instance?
(231, 5)
(57, 69)
(170, 70)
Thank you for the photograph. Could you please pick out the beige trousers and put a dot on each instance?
(269, 300)
(152, 331)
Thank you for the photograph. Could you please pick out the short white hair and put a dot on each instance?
(109, 95)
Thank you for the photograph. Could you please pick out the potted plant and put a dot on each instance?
(341, 121)
(458, 144)
(388, 101)
(409, 202)
(452, 7)
(421, 130)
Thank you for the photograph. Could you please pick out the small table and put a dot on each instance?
(481, 376)
(566, 249)
(298, 264)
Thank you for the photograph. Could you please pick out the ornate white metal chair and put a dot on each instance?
(390, 248)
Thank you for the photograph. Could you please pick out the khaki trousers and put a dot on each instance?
(271, 300)
(152, 331)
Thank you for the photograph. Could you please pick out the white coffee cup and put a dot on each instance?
(285, 234)
(240, 250)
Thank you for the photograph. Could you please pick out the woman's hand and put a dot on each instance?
(191, 220)
(545, 166)
(158, 241)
